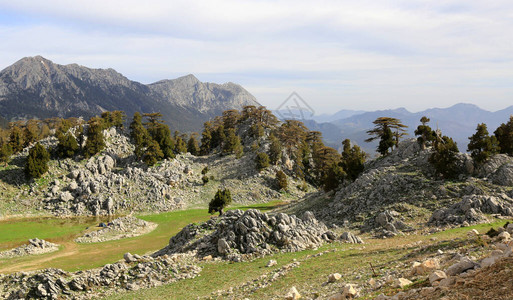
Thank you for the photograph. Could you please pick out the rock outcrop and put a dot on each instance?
(35, 246)
(143, 272)
(238, 234)
(472, 209)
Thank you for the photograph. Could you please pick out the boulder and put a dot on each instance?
(463, 265)
(293, 294)
(66, 196)
(401, 282)
(222, 247)
(271, 263)
(437, 276)
(504, 236)
(424, 267)
(348, 237)
(349, 291)
(334, 277)
(129, 258)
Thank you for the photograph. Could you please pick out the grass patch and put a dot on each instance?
(73, 256)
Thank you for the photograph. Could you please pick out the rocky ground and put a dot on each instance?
(35, 246)
(119, 228)
(400, 193)
(456, 276)
(133, 273)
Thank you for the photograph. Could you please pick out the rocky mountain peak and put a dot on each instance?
(35, 87)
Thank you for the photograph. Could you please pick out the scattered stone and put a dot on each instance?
(401, 282)
(129, 258)
(97, 283)
(437, 276)
(463, 265)
(505, 236)
(424, 267)
(473, 232)
(349, 291)
(348, 237)
(271, 263)
(334, 277)
(293, 294)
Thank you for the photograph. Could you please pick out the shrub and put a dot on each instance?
(204, 171)
(221, 200)
(205, 179)
(37, 162)
(262, 161)
(67, 146)
(281, 179)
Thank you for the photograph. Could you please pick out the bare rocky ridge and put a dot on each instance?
(35, 87)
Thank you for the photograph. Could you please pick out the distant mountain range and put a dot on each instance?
(35, 87)
(458, 121)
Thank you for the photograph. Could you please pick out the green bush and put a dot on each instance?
(37, 162)
(281, 179)
(205, 170)
(205, 179)
(262, 161)
(222, 199)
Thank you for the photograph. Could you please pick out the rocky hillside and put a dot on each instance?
(115, 182)
(401, 193)
(35, 87)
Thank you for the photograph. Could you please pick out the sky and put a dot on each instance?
(361, 55)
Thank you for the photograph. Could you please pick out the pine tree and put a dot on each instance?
(192, 144)
(219, 137)
(261, 161)
(67, 146)
(138, 134)
(353, 159)
(161, 133)
(37, 162)
(30, 132)
(333, 177)
(504, 135)
(281, 180)
(387, 141)
(274, 149)
(5, 153)
(425, 133)
(221, 200)
(443, 157)
(206, 139)
(383, 130)
(232, 142)
(16, 139)
(153, 153)
(95, 140)
(180, 145)
(481, 145)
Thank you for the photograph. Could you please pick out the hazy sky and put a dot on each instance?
(335, 54)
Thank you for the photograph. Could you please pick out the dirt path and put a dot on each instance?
(68, 249)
